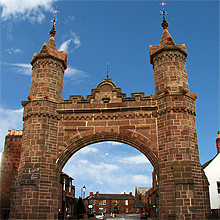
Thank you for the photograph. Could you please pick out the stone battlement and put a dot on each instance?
(12, 132)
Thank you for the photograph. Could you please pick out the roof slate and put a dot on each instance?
(111, 197)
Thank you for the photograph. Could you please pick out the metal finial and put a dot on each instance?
(164, 24)
(107, 70)
(54, 22)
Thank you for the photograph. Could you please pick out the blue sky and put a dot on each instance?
(120, 31)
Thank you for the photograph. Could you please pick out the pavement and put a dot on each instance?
(123, 217)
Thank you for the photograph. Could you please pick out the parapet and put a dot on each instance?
(12, 132)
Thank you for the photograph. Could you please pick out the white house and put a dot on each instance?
(212, 171)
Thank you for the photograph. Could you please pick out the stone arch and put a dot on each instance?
(133, 139)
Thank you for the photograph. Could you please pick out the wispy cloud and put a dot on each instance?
(139, 159)
(89, 149)
(13, 51)
(25, 10)
(70, 18)
(66, 46)
(20, 68)
(10, 119)
(141, 180)
(75, 75)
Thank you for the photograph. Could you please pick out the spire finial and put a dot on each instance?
(54, 22)
(164, 23)
(107, 70)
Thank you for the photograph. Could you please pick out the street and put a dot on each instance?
(124, 217)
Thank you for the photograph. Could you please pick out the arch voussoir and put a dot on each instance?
(79, 141)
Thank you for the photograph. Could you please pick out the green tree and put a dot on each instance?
(80, 206)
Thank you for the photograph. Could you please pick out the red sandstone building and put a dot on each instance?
(112, 203)
(10, 160)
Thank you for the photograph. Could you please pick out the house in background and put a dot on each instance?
(212, 171)
(112, 203)
(66, 197)
(141, 194)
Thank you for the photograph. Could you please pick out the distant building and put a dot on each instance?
(141, 194)
(153, 208)
(66, 197)
(212, 171)
(112, 203)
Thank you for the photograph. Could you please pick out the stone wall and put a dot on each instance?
(10, 159)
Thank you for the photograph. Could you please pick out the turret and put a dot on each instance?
(168, 60)
(48, 68)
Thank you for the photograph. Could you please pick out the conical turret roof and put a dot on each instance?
(166, 39)
(166, 43)
(50, 50)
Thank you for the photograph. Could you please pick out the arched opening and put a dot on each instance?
(105, 175)
(109, 167)
(79, 141)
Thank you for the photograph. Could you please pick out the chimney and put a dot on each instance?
(97, 193)
(91, 193)
(130, 193)
(218, 142)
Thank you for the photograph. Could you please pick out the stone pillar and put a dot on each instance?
(36, 189)
(182, 185)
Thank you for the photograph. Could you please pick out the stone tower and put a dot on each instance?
(181, 177)
(36, 186)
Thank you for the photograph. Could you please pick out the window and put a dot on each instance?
(70, 184)
(64, 182)
(104, 202)
(115, 202)
(218, 187)
(126, 202)
(126, 210)
(93, 202)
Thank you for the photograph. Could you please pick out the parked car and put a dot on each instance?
(99, 215)
(144, 216)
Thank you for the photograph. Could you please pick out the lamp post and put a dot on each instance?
(83, 191)
(110, 205)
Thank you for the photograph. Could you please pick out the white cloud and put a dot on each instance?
(141, 180)
(88, 149)
(75, 75)
(109, 167)
(64, 46)
(10, 119)
(21, 68)
(114, 143)
(83, 161)
(25, 9)
(12, 50)
(74, 39)
(70, 18)
(139, 159)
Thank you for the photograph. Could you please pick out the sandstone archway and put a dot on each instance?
(131, 138)
(161, 126)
